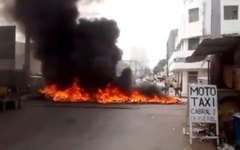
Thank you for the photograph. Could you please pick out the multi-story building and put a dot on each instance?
(139, 68)
(201, 19)
(35, 65)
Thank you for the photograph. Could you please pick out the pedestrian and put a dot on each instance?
(167, 86)
(177, 88)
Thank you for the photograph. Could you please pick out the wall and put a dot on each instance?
(35, 65)
(195, 28)
(216, 19)
(19, 55)
(182, 53)
(187, 66)
(201, 74)
(230, 26)
(200, 28)
(182, 65)
(185, 45)
(207, 21)
(185, 84)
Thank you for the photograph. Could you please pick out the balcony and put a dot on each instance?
(177, 62)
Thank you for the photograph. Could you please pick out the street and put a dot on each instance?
(48, 126)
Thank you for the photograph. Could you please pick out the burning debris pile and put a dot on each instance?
(78, 56)
(110, 94)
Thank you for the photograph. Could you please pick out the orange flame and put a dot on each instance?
(108, 95)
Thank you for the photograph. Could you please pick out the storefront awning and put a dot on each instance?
(213, 46)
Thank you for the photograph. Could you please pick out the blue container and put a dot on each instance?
(237, 128)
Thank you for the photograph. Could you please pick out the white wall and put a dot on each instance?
(180, 54)
(35, 65)
(201, 74)
(199, 28)
(184, 83)
(182, 65)
(230, 26)
(185, 46)
(207, 11)
(194, 28)
(19, 55)
(187, 66)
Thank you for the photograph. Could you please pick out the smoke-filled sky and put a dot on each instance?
(143, 23)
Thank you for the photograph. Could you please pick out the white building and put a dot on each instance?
(230, 17)
(35, 65)
(139, 68)
(201, 19)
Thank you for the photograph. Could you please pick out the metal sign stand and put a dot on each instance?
(186, 128)
(204, 137)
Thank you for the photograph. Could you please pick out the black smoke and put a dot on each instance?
(71, 48)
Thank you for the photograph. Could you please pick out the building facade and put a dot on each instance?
(139, 68)
(201, 19)
(35, 65)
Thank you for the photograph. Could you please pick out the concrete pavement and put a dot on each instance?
(48, 126)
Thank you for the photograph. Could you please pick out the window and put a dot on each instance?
(193, 43)
(230, 12)
(192, 77)
(193, 14)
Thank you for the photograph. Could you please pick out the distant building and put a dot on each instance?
(35, 65)
(138, 54)
(139, 68)
(138, 62)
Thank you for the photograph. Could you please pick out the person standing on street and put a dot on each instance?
(177, 88)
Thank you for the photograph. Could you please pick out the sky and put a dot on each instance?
(144, 24)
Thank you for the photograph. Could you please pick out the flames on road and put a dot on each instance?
(110, 94)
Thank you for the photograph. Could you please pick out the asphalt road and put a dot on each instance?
(47, 126)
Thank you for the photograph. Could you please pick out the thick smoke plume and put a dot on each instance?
(69, 48)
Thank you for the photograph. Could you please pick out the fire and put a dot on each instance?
(110, 94)
(73, 93)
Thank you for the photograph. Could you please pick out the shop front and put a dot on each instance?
(224, 72)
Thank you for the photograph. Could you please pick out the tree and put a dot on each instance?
(160, 66)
